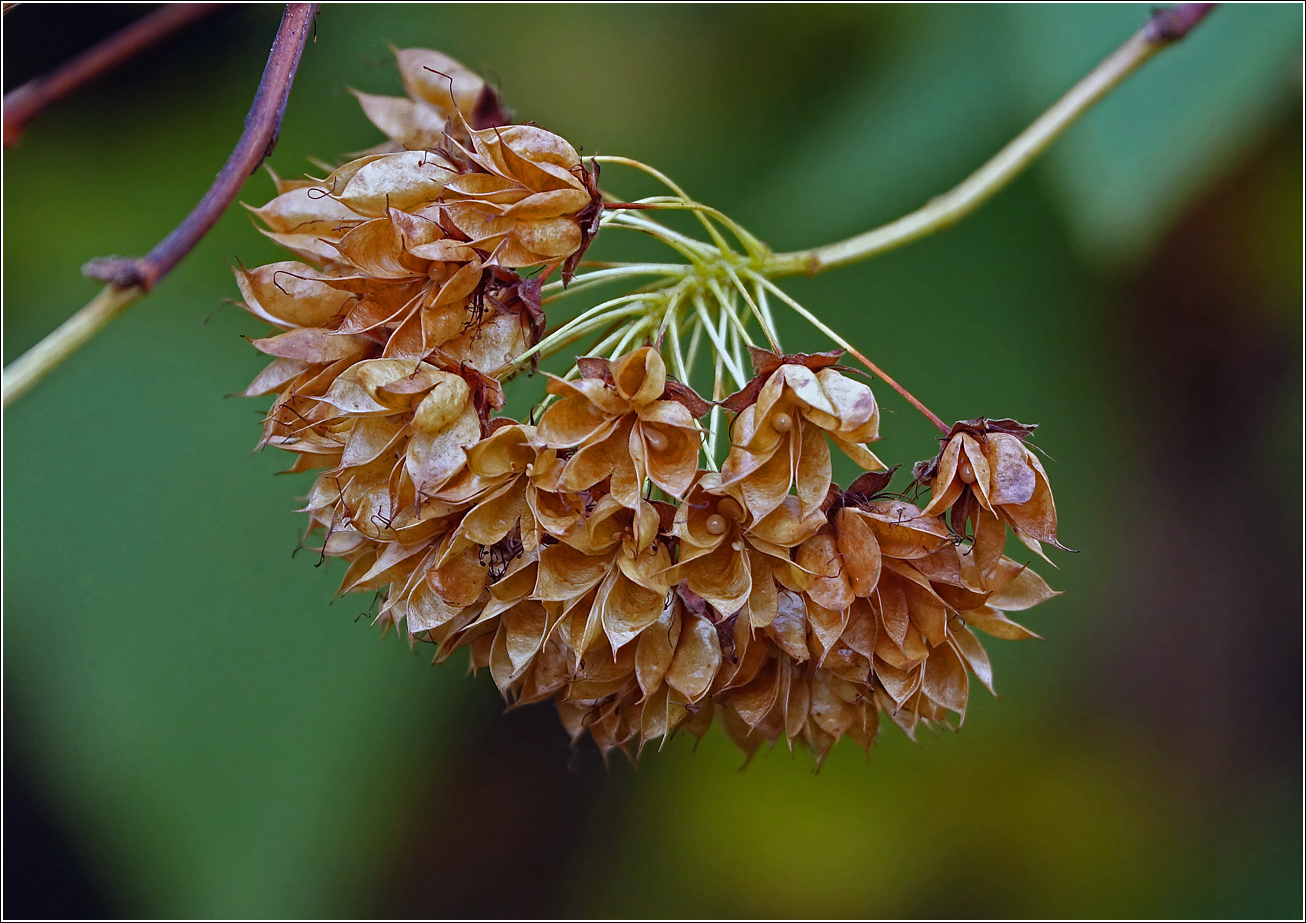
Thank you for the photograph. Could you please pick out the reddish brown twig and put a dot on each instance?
(262, 128)
(1172, 24)
(29, 100)
(911, 398)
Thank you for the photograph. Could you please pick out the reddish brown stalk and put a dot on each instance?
(911, 398)
(29, 100)
(1172, 24)
(262, 128)
(548, 270)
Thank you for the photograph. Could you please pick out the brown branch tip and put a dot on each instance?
(36, 95)
(1172, 24)
(262, 128)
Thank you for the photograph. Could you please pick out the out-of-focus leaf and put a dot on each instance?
(1135, 161)
(907, 128)
(999, 809)
(201, 717)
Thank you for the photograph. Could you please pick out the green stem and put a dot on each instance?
(714, 420)
(597, 316)
(719, 340)
(763, 318)
(693, 250)
(599, 276)
(695, 337)
(673, 299)
(66, 339)
(737, 335)
(635, 330)
(733, 314)
(666, 181)
(764, 305)
(984, 183)
(756, 249)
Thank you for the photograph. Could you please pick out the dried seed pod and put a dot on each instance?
(442, 96)
(744, 563)
(529, 201)
(626, 426)
(989, 479)
(778, 439)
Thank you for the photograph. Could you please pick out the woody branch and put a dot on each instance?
(129, 280)
(32, 98)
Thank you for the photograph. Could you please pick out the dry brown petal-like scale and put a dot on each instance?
(623, 425)
(778, 441)
(595, 557)
(525, 196)
(441, 94)
(988, 479)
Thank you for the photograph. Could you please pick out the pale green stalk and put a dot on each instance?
(728, 307)
(625, 341)
(70, 336)
(597, 316)
(765, 307)
(803, 312)
(677, 358)
(755, 248)
(673, 298)
(714, 419)
(690, 248)
(949, 208)
(661, 177)
(695, 335)
(719, 339)
(599, 276)
(736, 335)
(763, 319)
(852, 350)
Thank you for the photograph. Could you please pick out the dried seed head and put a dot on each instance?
(589, 559)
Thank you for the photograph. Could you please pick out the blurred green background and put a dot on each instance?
(192, 730)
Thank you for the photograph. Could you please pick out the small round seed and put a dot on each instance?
(656, 441)
(730, 509)
(782, 422)
(716, 524)
(966, 471)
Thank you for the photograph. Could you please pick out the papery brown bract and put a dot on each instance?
(497, 485)
(778, 439)
(987, 479)
(903, 638)
(624, 425)
(528, 199)
(626, 575)
(439, 91)
(308, 222)
(731, 558)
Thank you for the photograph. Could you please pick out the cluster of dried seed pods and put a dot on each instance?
(598, 557)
